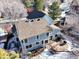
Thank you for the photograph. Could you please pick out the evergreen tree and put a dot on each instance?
(54, 10)
(27, 3)
(39, 5)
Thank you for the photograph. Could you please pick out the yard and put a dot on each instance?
(73, 54)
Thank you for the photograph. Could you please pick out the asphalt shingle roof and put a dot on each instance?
(26, 29)
(35, 14)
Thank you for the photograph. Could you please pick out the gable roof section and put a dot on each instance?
(29, 29)
(75, 3)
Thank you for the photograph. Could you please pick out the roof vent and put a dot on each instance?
(38, 19)
(32, 20)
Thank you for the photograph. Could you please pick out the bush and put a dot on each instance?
(8, 55)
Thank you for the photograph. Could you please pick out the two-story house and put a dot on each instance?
(35, 31)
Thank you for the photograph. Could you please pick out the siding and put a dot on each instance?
(54, 32)
(41, 37)
(33, 40)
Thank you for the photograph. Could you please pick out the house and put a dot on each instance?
(4, 29)
(34, 32)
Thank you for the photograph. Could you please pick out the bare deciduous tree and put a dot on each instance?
(12, 9)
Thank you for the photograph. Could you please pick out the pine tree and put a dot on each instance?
(27, 3)
(54, 10)
(39, 5)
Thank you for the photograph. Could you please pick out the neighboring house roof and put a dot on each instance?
(6, 27)
(2, 33)
(75, 3)
(71, 23)
(29, 29)
(35, 14)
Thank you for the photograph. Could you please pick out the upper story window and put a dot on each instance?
(22, 41)
(25, 40)
(30, 46)
(47, 34)
(37, 37)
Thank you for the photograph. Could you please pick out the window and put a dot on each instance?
(37, 42)
(37, 37)
(42, 42)
(22, 41)
(63, 21)
(30, 46)
(25, 40)
(46, 41)
(27, 47)
(47, 34)
(56, 35)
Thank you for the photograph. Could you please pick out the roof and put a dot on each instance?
(35, 14)
(6, 27)
(73, 23)
(29, 29)
(75, 3)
